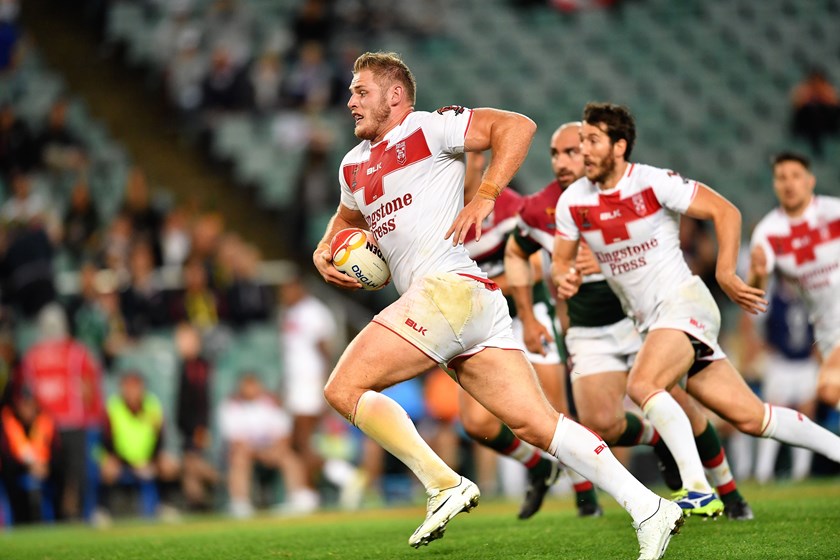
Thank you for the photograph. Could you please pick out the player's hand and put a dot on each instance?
(472, 215)
(758, 262)
(568, 284)
(585, 262)
(750, 299)
(536, 336)
(331, 275)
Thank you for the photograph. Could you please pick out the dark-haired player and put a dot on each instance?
(629, 216)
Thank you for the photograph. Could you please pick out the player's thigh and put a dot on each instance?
(552, 378)
(375, 360)
(478, 422)
(505, 384)
(664, 358)
(720, 388)
(599, 399)
(695, 414)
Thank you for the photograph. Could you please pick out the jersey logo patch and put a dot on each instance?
(803, 240)
(612, 215)
(368, 175)
(457, 108)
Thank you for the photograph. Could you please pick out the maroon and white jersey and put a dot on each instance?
(410, 188)
(807, 249)
(489, 251)
(633, 230)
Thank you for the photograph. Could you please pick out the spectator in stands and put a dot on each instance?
(309, 80)
(58, 147)
(198, 304)
(67, 382)
(193, 416)
(116, 246)
(816, 109)
(225, 88)
(146, 220)
(247, 301)
(9, 365)
(26, 269)
(81, 223)
(312, 23)
(266, 78)
(171, 28)
(307, 332)
(28, 449)
(17, 145)
(24, 204)
(143, 302)
(221, 268)
(133, 446)
(95, 315)
(175, 238)
(256, 431)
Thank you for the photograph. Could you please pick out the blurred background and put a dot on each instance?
(168, 166)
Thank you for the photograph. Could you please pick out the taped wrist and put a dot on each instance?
(488, 190)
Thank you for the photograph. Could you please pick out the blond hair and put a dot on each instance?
(388, 67)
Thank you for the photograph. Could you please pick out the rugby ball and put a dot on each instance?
(355, 253)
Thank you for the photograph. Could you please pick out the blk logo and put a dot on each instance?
(600, 448)
(413, 324)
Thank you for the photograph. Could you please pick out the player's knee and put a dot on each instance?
(480, 427)
(751, 426)
(639, 390)
(335, 394)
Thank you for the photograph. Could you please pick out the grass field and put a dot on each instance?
(793, 521)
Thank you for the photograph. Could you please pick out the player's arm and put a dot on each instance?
(758, 274)
(344, 218)
(566, 277)
(509, 136)
(520, 283)
(709, 205)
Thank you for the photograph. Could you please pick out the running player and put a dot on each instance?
(480, 425)
(801, 239)
(412, 163)
(603, 342)
(629, 216)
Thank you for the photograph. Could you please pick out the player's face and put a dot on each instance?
(368, 105)
(794, 185)
(597, 150)
(566, 159)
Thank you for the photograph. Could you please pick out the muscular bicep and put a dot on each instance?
(485, 122)
(707, 204)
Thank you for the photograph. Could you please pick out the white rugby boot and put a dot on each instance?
(442, 507)
(655, 532)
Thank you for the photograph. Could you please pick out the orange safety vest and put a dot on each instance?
(34, 446)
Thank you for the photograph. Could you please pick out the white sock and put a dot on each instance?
(384, 421)
(586, 453)
(794, 428)
(673, 426)
(801, 463)
(765, 459)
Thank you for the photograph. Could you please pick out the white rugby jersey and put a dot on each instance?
(410, 188)
(807, 249)
(633, 230)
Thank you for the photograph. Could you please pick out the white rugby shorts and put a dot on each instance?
(828, 338)
(448, 315)
(595, 350)
(789, 382)
(692, 309)
(552, 354)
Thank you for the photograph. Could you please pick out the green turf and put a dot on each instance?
(793, 521)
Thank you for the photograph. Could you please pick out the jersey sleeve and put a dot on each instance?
(760, 239)
(566, 226)
(347, 198)
(522, 235)
(673, 191)
(448, 128)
